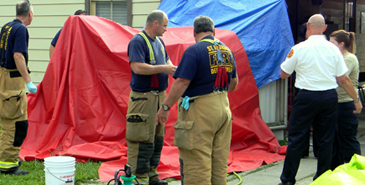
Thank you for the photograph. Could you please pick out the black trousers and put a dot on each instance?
(317, 108)
(346, 143)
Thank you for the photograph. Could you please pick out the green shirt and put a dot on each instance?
(353, 72)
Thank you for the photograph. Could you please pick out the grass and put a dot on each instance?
(283, 142)
(85, 174)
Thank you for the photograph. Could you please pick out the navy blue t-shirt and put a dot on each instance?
(17, 42)
(199, 65)
(55, 39)
(138, 52)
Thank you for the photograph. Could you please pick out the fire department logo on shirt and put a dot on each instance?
(290, 54)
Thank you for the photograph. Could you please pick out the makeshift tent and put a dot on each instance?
(81, 104)
(263, 28)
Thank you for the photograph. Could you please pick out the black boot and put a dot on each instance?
(286, 183)
(16, 171)
(158, 182)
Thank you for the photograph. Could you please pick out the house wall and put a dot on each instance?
(336, 10)
(49, 17)
(140, 10)
(360, 37)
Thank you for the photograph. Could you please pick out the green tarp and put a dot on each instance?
(352, 173)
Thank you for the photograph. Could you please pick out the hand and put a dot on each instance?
(358, 107)
(31, 87)
(170, 69)
(161, 116)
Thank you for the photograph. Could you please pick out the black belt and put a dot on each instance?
(14, 74)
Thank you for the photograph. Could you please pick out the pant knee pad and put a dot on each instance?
(21, 129)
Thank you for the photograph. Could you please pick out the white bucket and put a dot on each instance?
(59, 170)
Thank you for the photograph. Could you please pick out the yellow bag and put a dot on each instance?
(352, 173)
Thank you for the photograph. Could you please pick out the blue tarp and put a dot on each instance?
(262, 26)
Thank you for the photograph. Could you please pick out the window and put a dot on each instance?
(349, 15)
(115, 10)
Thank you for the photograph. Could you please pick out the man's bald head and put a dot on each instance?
(156, 15)
(316, 25)
(317, 20)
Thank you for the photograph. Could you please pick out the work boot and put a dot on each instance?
(140, 181)
(158, 182)
(15, 172)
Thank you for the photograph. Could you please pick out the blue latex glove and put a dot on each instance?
(185, 102)
(31, 87)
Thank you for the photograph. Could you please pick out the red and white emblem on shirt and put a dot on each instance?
(290, 54)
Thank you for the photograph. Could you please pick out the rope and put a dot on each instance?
(239, 177)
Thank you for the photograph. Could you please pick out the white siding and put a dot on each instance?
(273, 105)
(140, 10)
(49, 17)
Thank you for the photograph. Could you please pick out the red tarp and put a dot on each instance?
(81, 104)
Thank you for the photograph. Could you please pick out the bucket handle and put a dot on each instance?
(56, 176)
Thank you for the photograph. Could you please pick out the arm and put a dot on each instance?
(346, 83)
(177, 90)
(233, 84)
(51, 49)
(21, 66)
(147, 69)
(53, 43)
(358, 107)
(283, 74)
(289, 65)
(169, 62)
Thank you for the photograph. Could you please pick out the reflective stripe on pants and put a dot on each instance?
(13, 108)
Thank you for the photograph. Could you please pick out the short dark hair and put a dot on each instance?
(155, 15)
(203, 24)
(302, 32)
(78, 12)
(23, 8)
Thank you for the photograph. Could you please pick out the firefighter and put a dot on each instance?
(204, 127)
(55, 38)
(318, 64)
(150, 67)
(14, 76)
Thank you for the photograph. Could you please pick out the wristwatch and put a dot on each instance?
(165, 107)
(357, 100)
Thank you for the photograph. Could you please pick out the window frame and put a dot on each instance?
(90, 6)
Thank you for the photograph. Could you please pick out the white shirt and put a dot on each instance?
(317, 62)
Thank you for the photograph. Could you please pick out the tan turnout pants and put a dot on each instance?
(144, 137)
(203, 136)
(13, 118)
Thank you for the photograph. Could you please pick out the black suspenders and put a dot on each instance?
(4, 34)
